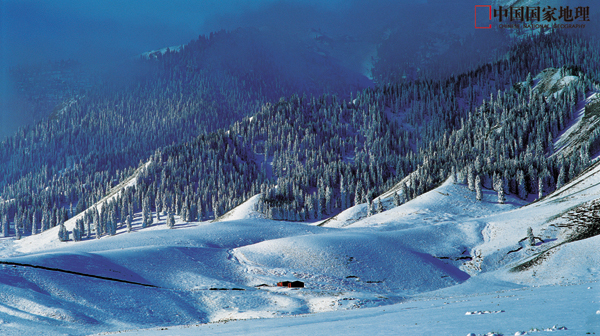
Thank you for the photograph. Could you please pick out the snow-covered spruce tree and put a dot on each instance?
(63, 234)
(357, 197)
(500, 189)
(76, 234)
(369, 207)
(44, 221)
(453, 178)
(145, 214)
(343, 193)
(165, 202)
(560, 180)
(521, 189)
(405, 193)
(112, 227)
(177, 204)
(77, 230)
(97, 223)
(17, 223)
(201, 212)
(88, 223)
(122, 205)
(158, 205)
(505, 184)
(540, 187)
(530, 237)
(379, 206)
(33, 222)
(478, 192)
(478, 165)
(81, 228)
(5, 224)
(329, 201)
(52, 216)
(193, 213)
(470, 178)
(532, 174)
(170, 219)
(128, 222)
(216, 212)
(185, 210)
(397, 201)
(17, 232)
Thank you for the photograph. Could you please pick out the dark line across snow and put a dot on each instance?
(10, 263)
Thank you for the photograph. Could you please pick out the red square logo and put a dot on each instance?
(489, 7)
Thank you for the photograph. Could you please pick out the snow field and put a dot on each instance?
(420, 267)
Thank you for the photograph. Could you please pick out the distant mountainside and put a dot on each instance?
(98, 136)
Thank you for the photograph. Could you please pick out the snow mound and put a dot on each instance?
(347, 217)
(84, 263)
(246, 210)
(553, 220)
(568, 263)
(448, 203)
(342, 261)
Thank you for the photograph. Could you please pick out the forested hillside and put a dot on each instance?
(76, 154)
(311, 156)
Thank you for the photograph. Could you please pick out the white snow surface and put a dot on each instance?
(246, 210)
(512, 311)
(440, 264)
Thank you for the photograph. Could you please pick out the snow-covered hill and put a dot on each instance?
(557, 294)
(227, 270)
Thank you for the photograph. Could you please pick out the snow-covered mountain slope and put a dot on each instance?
(582, 127)
(448, 203)
(210, 272)
(495, 299)
(552, 83)
(566, 224)
(47, 239)
(214, 271)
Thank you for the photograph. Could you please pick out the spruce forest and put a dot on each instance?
(199, 134)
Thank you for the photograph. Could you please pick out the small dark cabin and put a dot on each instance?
(291, 284)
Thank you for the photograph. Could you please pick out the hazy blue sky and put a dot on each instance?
(34, 30)
(104, 31)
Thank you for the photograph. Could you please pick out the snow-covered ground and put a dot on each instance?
(440, 264)
(443, 263)
(503, 310)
